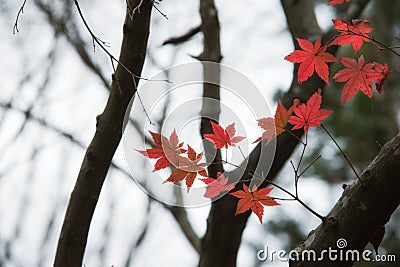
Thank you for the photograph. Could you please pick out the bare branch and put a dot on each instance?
(154, 2)
(72, 35)
(20, 11)
(183, 38)
(30, 116)
(99, 154)
(212, 254)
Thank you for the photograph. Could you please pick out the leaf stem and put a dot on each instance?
(309, 165)
(342, 152)
(296, 178)
(296, 137)
(256, 176)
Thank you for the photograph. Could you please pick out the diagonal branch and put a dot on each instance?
(350, 218)
(72, 35)
(109, 128)
(178, 213)
(183, 38)
(70, 32)
(20, 11)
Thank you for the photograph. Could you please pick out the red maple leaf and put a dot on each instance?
(166, 151)
(354, 33)
(253, 200)
(384, 70)
(310, 114)
(312, 57)
(275, 126)
(188, 168)
(223, 138)
(337, 2)
(359, 76)
(217, 186)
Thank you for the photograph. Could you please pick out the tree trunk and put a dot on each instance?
(109, 128)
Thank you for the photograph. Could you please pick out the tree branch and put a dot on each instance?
(180, 215)
(73, 37)
(20, 11)
(350, 218)
(70, 32)
(210, 251)
(109, 128)
(183, 38)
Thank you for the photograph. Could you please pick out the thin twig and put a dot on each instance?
(159, 11)
(255, 176)
(296, 179)
(103, 45)
(282, 199)
(309, 165)
(295, 136)
(21, 10)
(183, 38)
(302, 152)
(341, 151)
(375, 41)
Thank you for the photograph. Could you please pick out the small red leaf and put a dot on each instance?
(223, 138)
(188, 168)
(384, 70)
(276, 126)
(354, 33)
(311, 58)
(358, 75)
(253, 200)
(337, 2)
(310, 114)
(217, 186)
(166, 151)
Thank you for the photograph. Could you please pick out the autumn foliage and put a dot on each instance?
(357, 74)
(311, 58)
(254, 200)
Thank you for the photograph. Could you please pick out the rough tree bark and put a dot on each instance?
(109, 128)
(363, 208)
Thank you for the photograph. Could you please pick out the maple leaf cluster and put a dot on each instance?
(170, 152)
(186, 163)
(167, 151)
(358, 74)
(306, 115)
(354, 33)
